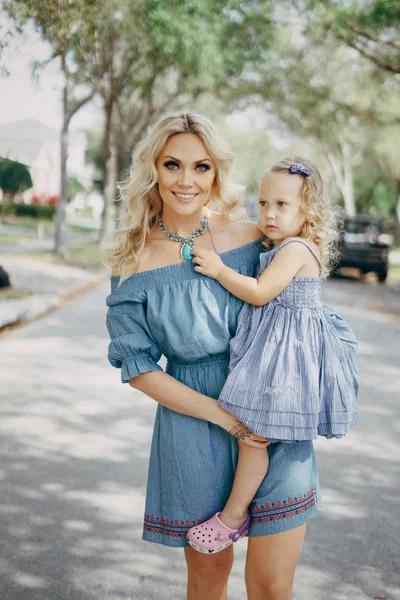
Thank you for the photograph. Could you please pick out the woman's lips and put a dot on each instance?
(185, 197)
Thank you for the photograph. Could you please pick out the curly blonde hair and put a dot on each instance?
(323, 219)
(141, 201)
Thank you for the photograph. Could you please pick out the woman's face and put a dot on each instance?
(186, 174)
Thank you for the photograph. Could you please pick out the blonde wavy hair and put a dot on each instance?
(323, 219)
(141, 201)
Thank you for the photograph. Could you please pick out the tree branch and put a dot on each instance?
(372, 38)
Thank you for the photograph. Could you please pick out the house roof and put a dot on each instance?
(23, 140)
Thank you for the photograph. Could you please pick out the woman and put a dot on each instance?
(160, 305)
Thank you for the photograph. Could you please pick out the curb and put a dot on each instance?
(20, 311)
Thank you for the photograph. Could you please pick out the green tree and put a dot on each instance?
(372, 29)
(161, 56)
(14, 179)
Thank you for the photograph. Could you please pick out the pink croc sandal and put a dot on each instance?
(213, 536)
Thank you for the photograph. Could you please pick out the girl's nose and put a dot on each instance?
(269, 213)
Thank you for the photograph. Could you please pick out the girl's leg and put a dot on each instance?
(208, 574)
(250, 472)
(271, 563)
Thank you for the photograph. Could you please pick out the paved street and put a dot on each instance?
(74, 448)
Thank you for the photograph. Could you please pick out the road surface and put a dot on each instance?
(74, 447)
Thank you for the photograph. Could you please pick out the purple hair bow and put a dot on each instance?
(299, 169)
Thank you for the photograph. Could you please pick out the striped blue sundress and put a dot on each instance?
(292, 376)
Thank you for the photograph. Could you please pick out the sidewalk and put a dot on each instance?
(47, 286)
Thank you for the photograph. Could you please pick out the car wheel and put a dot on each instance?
(382, 274)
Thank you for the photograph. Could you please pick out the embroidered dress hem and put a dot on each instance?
(266, 518)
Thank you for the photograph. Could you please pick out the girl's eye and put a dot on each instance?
(262, 203)
(171, 165)
(281, 204)
(203, 168)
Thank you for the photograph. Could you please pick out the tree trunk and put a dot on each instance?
(61, 238)
(111, 153)
(348, 187)
(343, 172)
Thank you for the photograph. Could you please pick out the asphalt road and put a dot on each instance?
(74, 448)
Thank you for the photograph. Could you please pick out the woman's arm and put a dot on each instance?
(285, 265)
(173, 394)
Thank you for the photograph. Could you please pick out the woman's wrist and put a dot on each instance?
(224, 419)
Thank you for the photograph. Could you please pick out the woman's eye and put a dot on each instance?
(202, 168)
(171, 165)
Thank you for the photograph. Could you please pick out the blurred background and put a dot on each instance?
(81, 81)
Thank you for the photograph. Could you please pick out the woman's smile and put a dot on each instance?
(185, 197)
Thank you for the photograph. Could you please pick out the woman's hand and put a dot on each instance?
(208, 262)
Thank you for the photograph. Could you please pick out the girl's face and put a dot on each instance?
(186, 174)
(281, 215)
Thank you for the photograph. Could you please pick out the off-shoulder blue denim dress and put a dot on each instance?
(191, 319)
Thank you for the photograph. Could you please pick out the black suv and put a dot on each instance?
(363, 245)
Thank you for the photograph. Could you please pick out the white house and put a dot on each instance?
(38, 147)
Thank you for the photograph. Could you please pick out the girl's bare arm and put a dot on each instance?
(286, 264)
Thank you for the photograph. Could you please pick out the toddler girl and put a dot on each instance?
(291, 377)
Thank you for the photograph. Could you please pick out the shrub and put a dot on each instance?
(31, 210)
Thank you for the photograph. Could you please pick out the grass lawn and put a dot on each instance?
(86, 256)
(12, 239)
(48, 226)
(394, 274)
(10, 293)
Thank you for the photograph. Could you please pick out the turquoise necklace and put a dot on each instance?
(188, 242)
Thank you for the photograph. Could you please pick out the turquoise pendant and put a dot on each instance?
(185, 252)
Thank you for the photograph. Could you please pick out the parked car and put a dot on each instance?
(363, 245)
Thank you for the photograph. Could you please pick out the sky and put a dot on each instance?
(22, 98)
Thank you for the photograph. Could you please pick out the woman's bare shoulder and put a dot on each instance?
(241, 231)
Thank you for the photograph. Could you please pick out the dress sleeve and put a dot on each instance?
(132, 348)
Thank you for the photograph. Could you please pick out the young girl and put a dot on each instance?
(291, 377)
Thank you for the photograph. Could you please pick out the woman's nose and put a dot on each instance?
(186, 178)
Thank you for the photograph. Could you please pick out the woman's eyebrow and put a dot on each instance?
(195, 163)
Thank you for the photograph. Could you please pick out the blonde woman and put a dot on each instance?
(179, 197)
(291, 378)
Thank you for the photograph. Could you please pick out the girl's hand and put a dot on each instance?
(255, 441)
(208, 262)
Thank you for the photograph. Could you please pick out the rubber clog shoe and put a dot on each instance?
(212, 536)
